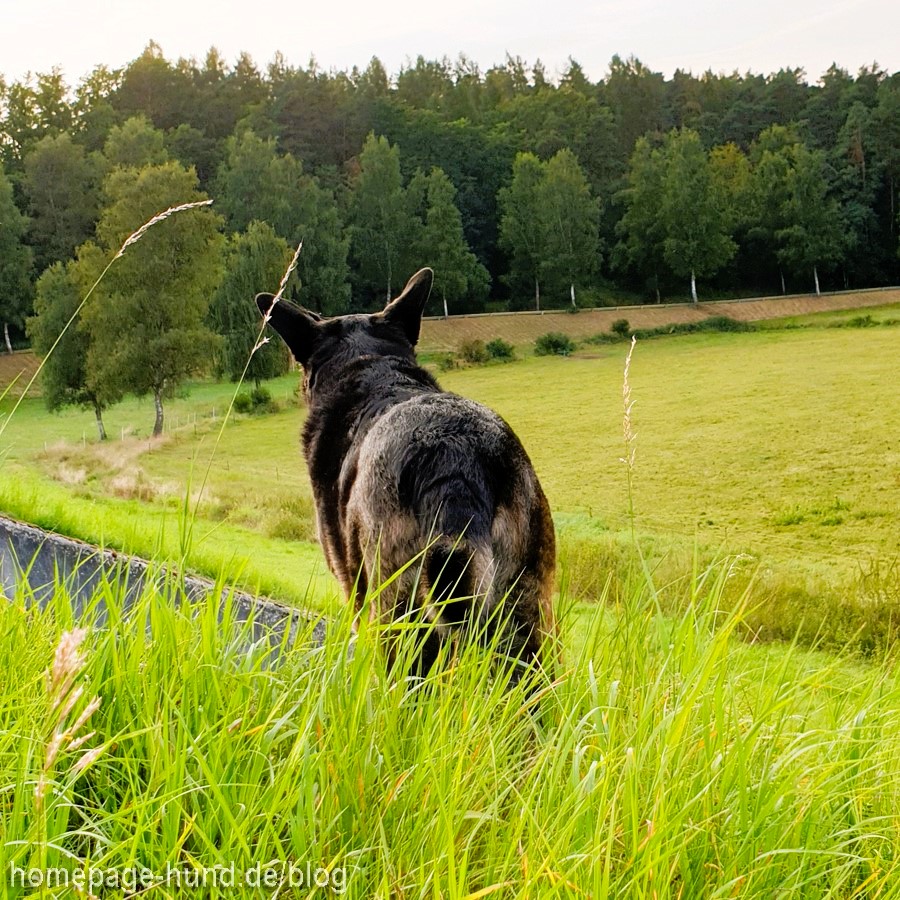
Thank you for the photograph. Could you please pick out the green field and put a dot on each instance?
(779, 444)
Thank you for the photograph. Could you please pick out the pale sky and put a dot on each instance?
(757, 35)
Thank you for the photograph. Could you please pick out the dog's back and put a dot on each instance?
(402, 472)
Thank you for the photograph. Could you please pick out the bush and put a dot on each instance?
(243, 403)
(262, 401)
(473, 351)
(621, 327)
(554, 343)
(258, 402)
(724, 323)
(499, 349)
(447, 362)
(865, 321)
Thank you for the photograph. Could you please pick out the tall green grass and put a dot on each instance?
(662, 759)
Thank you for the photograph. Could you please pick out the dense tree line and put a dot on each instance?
(520, 188)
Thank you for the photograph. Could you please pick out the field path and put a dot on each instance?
(524, 327)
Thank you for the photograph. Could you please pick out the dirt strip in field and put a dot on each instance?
(524, 327)
(16, 370)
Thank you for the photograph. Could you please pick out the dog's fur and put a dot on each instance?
(399, 467)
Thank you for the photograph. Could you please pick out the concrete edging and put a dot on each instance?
(44, 559)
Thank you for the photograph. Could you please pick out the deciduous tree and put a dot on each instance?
(61, 186)
(569, 218)
(458, 276)
(694, 214)
(147, 317)
(380, 221)
(520, 234)
(64, 376)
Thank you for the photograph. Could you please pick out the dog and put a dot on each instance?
(403, 471)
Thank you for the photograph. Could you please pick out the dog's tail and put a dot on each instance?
(453, 579)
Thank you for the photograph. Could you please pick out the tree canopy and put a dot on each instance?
(518, 188)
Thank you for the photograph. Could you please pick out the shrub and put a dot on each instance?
(865, 321)
(621, 327)
(447, 362)
(724, 323)
(262, 401)
(243, 403)
(473, 351)
(554, 343)
(499, 349)
(258, 402)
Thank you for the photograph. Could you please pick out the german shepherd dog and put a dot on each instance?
(402, 470)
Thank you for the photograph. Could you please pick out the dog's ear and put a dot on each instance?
(297, 327)
(406, 310)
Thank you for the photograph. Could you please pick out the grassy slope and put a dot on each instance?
(523, 328)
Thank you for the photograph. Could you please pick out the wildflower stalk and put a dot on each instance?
(629, 435)
(63, 694)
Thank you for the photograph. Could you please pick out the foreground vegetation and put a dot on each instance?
(664, 759)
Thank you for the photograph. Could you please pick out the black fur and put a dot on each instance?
(399, 466)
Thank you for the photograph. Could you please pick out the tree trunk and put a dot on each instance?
(572, 293)
(816, 277)
(781, 273)
(694, 288)
(893, 213)
(537, 294)
(6, 337)
(98, 413)
(157, 400)
(446, 311)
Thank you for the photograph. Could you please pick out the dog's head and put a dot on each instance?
(316, 341)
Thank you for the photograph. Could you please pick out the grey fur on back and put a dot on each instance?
(401, 469)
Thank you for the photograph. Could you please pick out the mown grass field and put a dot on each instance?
(523, 328)
(780, 444)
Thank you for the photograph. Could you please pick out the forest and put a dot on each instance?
(522, 190)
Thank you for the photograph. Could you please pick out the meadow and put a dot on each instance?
(776, 446)
(673, 753)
